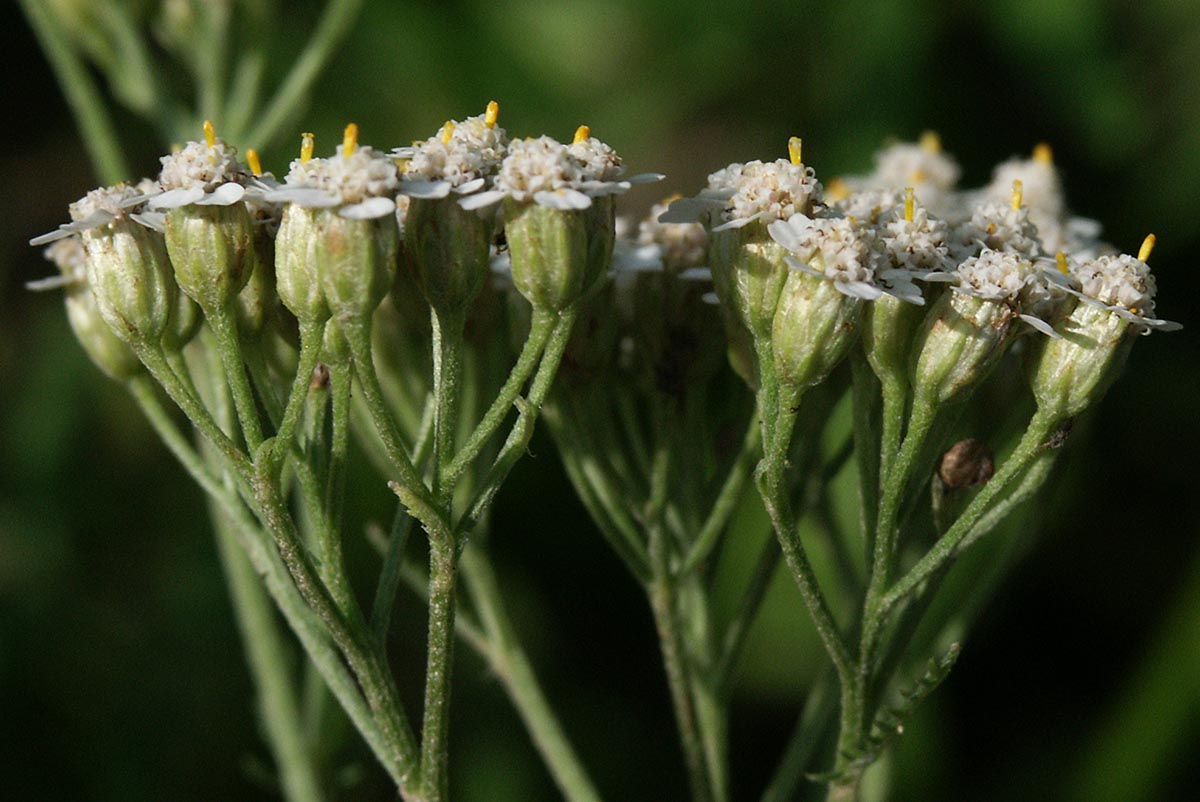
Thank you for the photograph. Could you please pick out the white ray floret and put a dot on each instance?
(202, 173)
(358, 181)
(458, 159)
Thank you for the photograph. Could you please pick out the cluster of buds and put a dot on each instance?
(938, 281)
(217, 236)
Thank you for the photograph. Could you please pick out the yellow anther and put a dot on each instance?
(1060, 259)
(796, 150)
(447, 132)
(1043, 154)
(349, 140)
(837, 190)
(1147, 247)
(671, 199)
(252, 160)
(931, 142)
(909, 199)
(210, 133)
(1018, 193)
(991, 228)
(581, 134)
(307, 143)
(492, 114)
(918, 176)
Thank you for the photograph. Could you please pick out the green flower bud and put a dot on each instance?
(749, 273)
(212, 250)
(355, 261)
(130, 276)
(449, 248)
(550, 253)
(960, 341)
(888, 328)
(104, 348)
(1072, 372)
(814, 327)
(296, 276)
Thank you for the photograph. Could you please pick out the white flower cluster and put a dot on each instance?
(1121, 284)
(834, 248)
(919, 165)
(460, 157)
(680, 246)
(998, 226)
(360, 184)
(919, 244)
(764, 191)
(995, 275)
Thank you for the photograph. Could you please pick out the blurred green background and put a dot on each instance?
(121, 676)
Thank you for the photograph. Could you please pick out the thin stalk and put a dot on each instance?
(867, 448)
(311, 339)
(156, 362)
(377, 684)
(335, 23)
(443, 571)
(1032, 444)
(522, 430)
(663, 603)
(447, 374)
(329, 534)
(776, 498)
(95, 126)
(268, 656)
(540, 330)
(224, 328)
(300, 618)
(508, 660)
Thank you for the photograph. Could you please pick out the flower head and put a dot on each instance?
(1121, 284)
(460, 158)
(922, 165)
(203, 173)
(1000, 226)
(358, 181)
(835, 248)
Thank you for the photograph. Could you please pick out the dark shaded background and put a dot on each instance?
(120, 672)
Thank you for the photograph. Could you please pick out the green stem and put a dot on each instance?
(411, 487)
(335, 23)
(156, 362)
(300, 618)
(224, 328)
(508, 660)
(776, 498)
(539, 333)
(663, 603)
(312, 336)
(1032, 444)
(447, 391)
(377, 684)
(818, 714)
(443, 570)
(268, 656)
(867, 448)
(518, 438)
(95, 126)
(329, 534)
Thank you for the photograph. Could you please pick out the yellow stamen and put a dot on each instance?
(796, 150)
(918, 177)
(837, 190)
(671, 199)
(210, 133)
(492, 114)
(931, 142)
(908, 203)
(1018, 194)
(1060, 259)
(349, 140)
(447, 132)
(1042, 153)
(581, 134)
(252, 160)
(1147, 247)
(307, 143)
